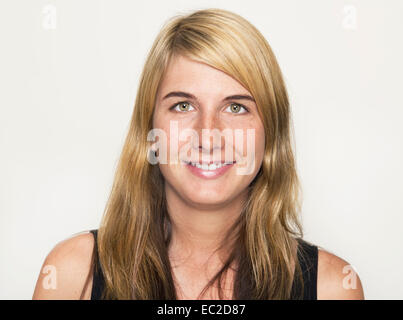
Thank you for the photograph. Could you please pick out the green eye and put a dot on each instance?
(186, 106)
(235, 108)
(182, 106)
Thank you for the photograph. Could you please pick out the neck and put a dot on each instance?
(198, 231)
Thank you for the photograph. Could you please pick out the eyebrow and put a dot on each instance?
(191, 96)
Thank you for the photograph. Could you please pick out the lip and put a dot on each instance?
(208, 174)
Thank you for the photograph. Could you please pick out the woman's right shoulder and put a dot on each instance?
(65, 270)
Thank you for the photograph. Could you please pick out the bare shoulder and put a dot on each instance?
(65, 269)
(337, 279)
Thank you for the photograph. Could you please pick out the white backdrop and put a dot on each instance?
(68, 77)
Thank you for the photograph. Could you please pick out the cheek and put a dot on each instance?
(253, 139)
(253, 150)
(260, 142)
(260, 148)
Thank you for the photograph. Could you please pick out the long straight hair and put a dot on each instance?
(135, 231)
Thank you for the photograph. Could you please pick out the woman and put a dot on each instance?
(210, 225)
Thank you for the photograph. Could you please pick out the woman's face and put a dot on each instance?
(194, 96)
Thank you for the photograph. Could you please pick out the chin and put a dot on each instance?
(208, 203)
(200, 192)
(208, 197)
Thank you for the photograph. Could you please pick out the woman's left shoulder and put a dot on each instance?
(337, 279)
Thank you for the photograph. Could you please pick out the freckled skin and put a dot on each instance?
(210, 86)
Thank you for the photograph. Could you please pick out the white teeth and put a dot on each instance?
(213, 166)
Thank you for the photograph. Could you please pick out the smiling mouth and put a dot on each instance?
(210, 166)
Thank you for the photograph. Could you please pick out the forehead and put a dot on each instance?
(198, 78)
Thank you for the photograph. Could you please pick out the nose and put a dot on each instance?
(208, 127)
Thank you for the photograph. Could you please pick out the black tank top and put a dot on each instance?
(307, 257)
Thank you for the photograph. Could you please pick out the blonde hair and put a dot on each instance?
(135, 230)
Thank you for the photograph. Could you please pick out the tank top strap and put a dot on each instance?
(307, 257)
(98, 282)
(308, 260)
